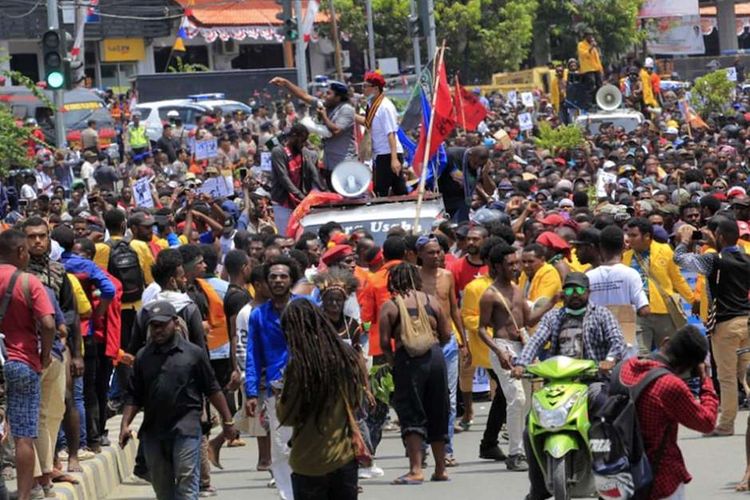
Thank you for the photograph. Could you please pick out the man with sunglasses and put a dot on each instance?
(579, 330)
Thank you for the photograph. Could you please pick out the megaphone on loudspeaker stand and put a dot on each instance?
(351, 178)
(608, 97)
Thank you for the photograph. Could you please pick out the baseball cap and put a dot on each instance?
(742, 201)
(141, 219)
(576, 279)
(552, 220)
(160, 311)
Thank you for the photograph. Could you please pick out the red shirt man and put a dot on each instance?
(19, 323)
(662, 407)
(471, 266)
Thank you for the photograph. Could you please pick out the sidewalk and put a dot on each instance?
(103, 473)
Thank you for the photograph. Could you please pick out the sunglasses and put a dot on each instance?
(578, 290)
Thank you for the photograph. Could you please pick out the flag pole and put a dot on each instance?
(461, 104)
(425, 160)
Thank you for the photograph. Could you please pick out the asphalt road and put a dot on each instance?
(715, 463)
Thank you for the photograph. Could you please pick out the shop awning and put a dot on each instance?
(244, 13)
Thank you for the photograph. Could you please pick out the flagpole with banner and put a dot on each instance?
(426, 159)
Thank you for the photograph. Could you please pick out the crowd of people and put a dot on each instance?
(203, 311)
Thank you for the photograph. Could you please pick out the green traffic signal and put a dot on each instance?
(55, 80)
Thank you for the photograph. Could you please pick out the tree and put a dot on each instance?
(614, 23)
(181, 66)
(712, 93)
(13, 138)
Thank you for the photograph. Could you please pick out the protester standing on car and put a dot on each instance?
(381, 120)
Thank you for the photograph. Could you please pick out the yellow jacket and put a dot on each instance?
(480, 353)
(546, 283)
(648, 90)
(83, 305)
(588, 58)
(666, 273)
(575, 264)
(556, 96)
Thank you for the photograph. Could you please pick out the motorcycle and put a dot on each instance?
(558, 425)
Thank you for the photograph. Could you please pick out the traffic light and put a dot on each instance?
(415, 27)
(53, 54)
(289, 28)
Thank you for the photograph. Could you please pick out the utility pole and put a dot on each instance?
(336, 40)
(430, 35)
(300, 44)
(415, 41)
(370, 36)
(53, 23)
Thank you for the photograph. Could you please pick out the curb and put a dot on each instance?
(101, 475)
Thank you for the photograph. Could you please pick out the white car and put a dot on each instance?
(154, 114)
(627, 119)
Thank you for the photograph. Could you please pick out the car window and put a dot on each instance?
(187, 114)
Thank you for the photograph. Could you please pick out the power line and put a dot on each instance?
(28, 13)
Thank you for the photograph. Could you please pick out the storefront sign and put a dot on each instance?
(123, 49)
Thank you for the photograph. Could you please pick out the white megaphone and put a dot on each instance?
(608, 97)
(351, 178)
(316, 128)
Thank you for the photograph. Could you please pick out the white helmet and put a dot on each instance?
(173, 114)
(649, 62)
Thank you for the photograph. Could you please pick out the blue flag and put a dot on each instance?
(437, 163)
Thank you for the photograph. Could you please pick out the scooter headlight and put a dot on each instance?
(556, 417)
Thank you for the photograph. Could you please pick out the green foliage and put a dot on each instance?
(712, 93)
(381, 383)
(558, 139)
(13, 138)
(613, 22)
(181, 66)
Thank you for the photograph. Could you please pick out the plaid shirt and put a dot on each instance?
(602, 337)
(662, 406)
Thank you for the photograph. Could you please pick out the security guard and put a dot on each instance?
(137, 139)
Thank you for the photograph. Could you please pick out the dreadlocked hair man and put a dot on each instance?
(404, 279)
(321, 367)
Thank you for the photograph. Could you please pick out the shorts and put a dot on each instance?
(23, 393)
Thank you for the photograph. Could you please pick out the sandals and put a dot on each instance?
(440, 479)
(451, 462)
(405, 479)
(61, 477)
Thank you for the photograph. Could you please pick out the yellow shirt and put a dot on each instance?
(575, 264)
(545, 283)
(588, 58)
(83, 305)
(664, 270)
(648, 90)
(480, 353)
(145, 257)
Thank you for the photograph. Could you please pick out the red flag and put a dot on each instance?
(444, 121)
(470, 112)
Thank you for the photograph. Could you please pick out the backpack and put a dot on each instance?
(126, 267)
(416, 333)
(620, 465)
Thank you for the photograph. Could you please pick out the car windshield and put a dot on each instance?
(594, 122)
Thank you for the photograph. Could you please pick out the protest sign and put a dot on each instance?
(142, 193)
(215, 187)
(525, 121)
(265, 161)
(513, 97)
(206, 149)
(527, 99)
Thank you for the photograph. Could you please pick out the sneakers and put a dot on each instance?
(370, 472)
(516, 463)
(492, 453)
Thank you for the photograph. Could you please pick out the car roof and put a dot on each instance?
(217, 103)
(168, 102)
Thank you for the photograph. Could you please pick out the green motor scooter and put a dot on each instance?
(558, 425)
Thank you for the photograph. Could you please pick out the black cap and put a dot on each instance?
(576, 279)
(588, 236)
(141, 219)
(161, 311)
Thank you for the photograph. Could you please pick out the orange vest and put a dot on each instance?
(218, 333)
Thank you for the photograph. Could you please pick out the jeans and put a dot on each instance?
(62, 442)
(340, 484)
(122, 372)
(450, 351)
(173, 464)
(280, 437)
(515, 393)
(729, 336)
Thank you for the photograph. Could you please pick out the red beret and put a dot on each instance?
(336, 253)
(551, 240)
(375, 78)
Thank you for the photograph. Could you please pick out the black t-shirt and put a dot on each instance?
(235, 299)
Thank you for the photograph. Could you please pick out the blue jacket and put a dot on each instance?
(266, 348)
(86, 269)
